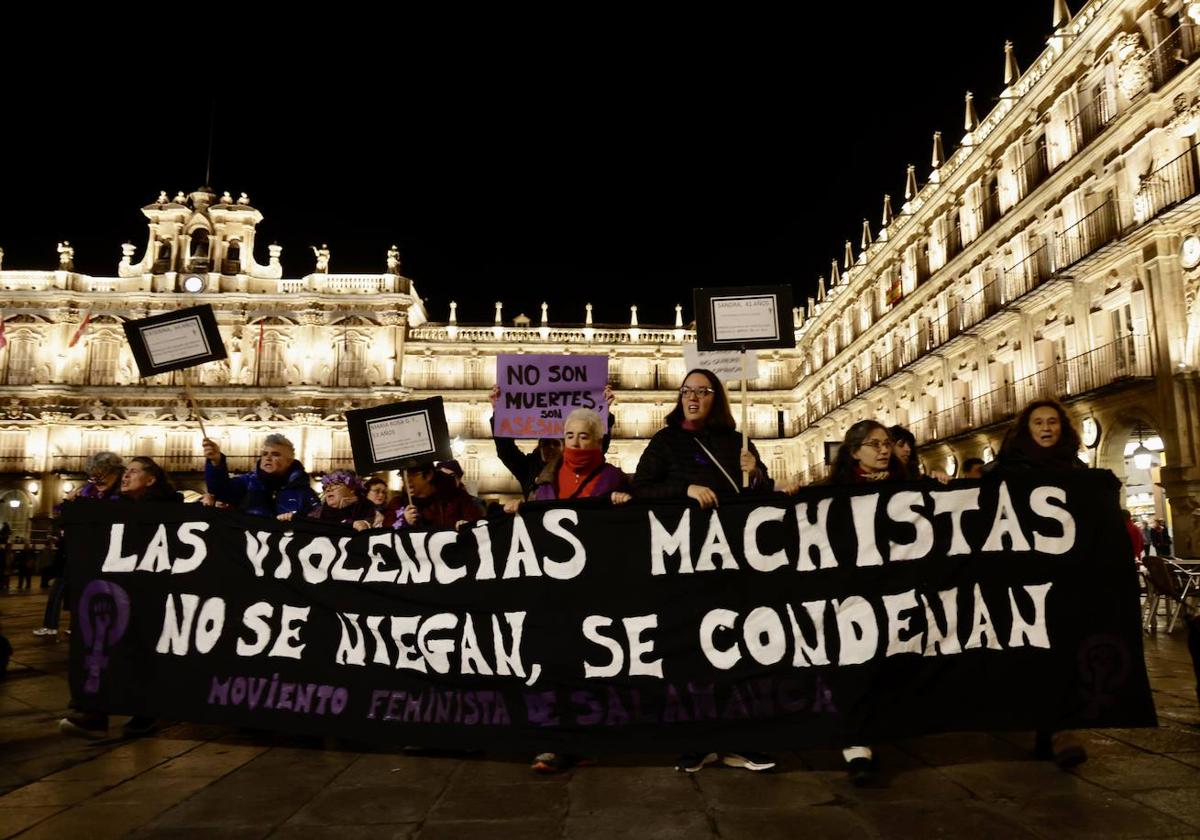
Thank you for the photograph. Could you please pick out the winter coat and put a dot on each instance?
(527, 466)
(360, 510)
(609, 480)
(449, 505)
(258, 494)
(673, 461)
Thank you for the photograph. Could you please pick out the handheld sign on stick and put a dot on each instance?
(744, 318)
(398, 436)
(178, 340)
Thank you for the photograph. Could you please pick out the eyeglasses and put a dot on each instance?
(686, 392)
(879, 445)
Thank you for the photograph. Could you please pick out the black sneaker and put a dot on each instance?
(140, 726)
(861, 770)
(756, 762)
(93, 726)
(692, 762)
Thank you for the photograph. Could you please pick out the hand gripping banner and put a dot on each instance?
(835, 616)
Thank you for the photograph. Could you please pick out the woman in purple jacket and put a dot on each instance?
(581, 471)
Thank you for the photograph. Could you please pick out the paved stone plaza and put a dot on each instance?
(202, 781)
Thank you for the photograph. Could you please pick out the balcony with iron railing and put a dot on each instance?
(1033, 171)
(1168, 185)
(1091, 233)
(952, 243)
(1092, 118)
(1125, 360)
(1172, 54)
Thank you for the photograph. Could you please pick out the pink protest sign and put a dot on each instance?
(538, 391)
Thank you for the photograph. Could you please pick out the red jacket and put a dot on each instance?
(1135, 536)
(444, 509)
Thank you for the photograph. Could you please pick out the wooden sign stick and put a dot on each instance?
(745, 413)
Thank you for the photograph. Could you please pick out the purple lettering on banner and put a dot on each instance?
(539, 390)
(103, 619)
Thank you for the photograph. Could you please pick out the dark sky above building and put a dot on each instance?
(613, 161)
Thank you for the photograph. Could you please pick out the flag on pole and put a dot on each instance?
(3, 338)
(87, 319)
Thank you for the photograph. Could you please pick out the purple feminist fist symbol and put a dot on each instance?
(103, 617)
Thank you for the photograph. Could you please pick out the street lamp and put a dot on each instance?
(1141, 455)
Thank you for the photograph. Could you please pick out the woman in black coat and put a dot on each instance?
(699, 453)
(1043, 437)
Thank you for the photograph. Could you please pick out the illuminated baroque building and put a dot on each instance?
(1054, 252)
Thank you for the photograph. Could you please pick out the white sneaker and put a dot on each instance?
(749, 761)
(45, 631)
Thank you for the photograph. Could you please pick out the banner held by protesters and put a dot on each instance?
(882, 613)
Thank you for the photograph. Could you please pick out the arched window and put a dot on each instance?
(233, 258)
(15, 509)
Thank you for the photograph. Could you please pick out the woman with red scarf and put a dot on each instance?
(581, 471)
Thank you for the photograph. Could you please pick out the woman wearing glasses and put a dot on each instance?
(699, 455)
(867, 454)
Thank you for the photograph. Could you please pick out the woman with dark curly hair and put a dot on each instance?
(1044, 437)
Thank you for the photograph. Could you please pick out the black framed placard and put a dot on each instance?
(175, 340)
(744, 318)
(398, 435)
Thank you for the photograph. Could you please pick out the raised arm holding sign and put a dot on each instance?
(538, 391)
(745, 319)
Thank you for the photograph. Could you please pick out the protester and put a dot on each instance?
(278, 484)
(104, 473)
(699, 455)
(906, 454)
(580, 471)
(344, 502)
(377, 494)
(143, 482)
(527, 466)
(905, 451)
(104, 470)
(867, 455)
(454, 469)
(972, 468)
(1044, 438)
(437, 502)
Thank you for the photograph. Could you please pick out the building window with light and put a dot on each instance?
(272, 365)
(102, 361)
(22, 361)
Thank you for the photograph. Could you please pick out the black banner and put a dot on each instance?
(840, 615)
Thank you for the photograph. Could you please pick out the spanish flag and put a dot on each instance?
(87, 319)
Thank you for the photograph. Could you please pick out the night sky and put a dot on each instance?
(612, 161)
